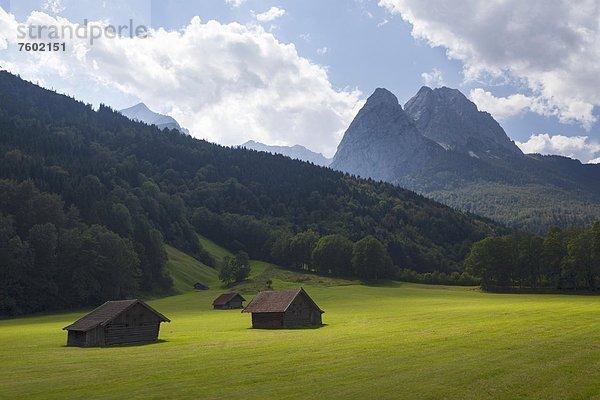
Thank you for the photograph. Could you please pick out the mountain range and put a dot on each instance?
(88, 199)
(140, 112)
(295, 152)
(440, 145)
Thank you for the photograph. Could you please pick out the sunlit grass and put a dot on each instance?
(385, 342)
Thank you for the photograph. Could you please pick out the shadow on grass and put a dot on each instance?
(566, 292)
(387, 284)
(297, 328)
(118, 346)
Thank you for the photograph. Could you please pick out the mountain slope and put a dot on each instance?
(141, 112)
(186, 271)
(148, 187)
(296, 152)
(442, 146)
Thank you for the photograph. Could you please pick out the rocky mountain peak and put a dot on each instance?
(380, 132)
(449, 118)
(382, 96)
(141, 112)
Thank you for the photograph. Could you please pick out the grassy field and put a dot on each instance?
(383, 342)
(214, 249)
(186, 271)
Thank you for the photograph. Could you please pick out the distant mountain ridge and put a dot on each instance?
(296, 152)
(141, 112)
(442, 146)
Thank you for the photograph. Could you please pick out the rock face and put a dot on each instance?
(296, 152)
(140, 112)
(442, 146)
(382, 141)
(446, 116)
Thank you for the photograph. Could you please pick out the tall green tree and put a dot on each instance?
(577, 271)
(235, 269)
(595, 261)
(280, 250)
(242, 261)
(370, 259)
(301, 248)
(554, 250)
(491, 261)
(333, 254)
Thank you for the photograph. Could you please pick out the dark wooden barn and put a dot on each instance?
(200, 286)
(283, 309)
(114, 323)
(228, 301)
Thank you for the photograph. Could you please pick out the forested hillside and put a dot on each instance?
(146, 186)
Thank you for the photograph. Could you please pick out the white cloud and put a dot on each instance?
(8, 29)
(579, 147)
(433, 78)
(322, 50)
(550, 46)
(53, 6)
(505, 107)
(272, 14)
(235, 3)
(227, 83)
(382, 23)
(594, 161)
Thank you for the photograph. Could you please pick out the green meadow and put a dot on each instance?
(392, 341)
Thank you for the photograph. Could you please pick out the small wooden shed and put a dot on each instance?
(200, 286)
(283, 309)
(228, 301)
(115, 323)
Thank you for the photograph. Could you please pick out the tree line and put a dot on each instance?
(50, 259)
(334, 255)
(563, 259)
(149, 187)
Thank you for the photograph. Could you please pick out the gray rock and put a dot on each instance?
(382, 142)
(140, 112)
(296, 152)
(446, 116)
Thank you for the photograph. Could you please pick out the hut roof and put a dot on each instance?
(107, 312)
(276, 301)
(226, 298)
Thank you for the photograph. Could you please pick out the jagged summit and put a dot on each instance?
(424, 90)
(380, 132)
(382, 96)
(439, 136)
(442, 146)
(449, 118)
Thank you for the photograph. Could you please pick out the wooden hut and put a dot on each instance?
(228, 301)
(114, 323)
(200, 286)
(283, 309)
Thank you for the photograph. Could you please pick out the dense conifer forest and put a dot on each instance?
(109, 183)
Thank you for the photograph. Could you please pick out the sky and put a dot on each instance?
(296, 72)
